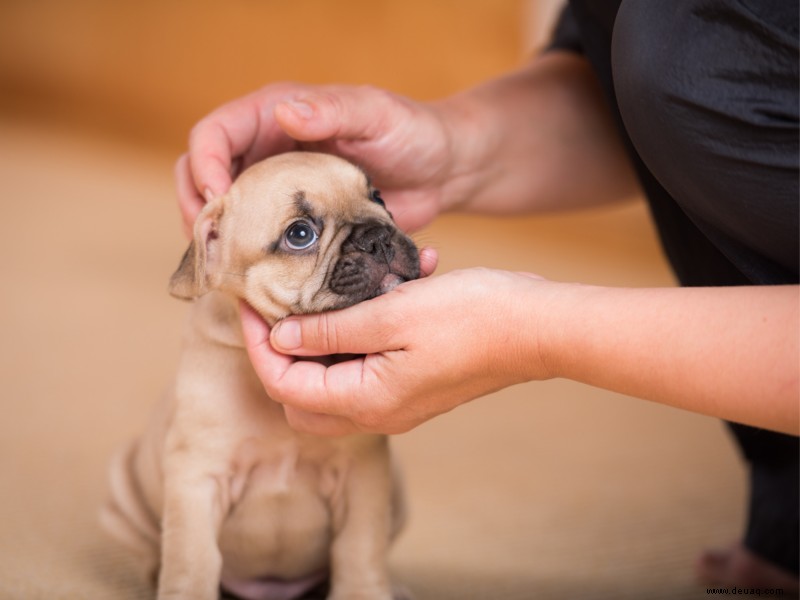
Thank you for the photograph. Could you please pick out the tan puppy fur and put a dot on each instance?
(219, 489)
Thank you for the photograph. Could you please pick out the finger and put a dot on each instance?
(306, 385)
(270, 366)
(361, 329)
(218, 139)
(302, 387)
(211, 157)
(190, 202)
(428, 261)
(318, 424)
(342, 390)
(243, 129)
(344, 113)
(411, 209)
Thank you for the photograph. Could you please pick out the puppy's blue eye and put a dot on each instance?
(300, 236)
(375, 196)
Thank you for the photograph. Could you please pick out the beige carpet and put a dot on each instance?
(550, 490)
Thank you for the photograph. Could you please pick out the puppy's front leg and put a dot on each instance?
(361, 544)
(191, 563)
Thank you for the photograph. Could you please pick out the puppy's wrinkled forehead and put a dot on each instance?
(330, 181)
(295, 185)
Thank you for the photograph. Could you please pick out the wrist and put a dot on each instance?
(471, 141)
(549, 339)
(529, 323)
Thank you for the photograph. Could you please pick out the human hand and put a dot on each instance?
(403, 145)
(433, 344)
(427, 347)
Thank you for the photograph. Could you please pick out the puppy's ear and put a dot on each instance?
(191, 280)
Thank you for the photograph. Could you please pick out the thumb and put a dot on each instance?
(344, 113)
(360, 329)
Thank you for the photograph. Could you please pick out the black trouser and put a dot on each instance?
(705, 97)
(773, 518)
(690, 79)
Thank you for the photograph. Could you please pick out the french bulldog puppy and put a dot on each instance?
(219, 493)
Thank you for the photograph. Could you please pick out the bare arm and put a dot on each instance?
(539, 138)
(726, 352)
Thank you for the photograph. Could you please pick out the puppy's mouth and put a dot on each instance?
(390, 281)
(374, 260)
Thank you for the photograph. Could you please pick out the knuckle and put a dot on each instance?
(350, 103)
(387, 106)
(325, 334)
(182, 176)
(377, 94)
(181, 165)
(197, 132)
(206, 136)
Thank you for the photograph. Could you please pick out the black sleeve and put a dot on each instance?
(566, 35)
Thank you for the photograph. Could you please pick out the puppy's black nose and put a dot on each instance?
(375, 240)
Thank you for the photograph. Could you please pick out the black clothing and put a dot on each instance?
(705, 96)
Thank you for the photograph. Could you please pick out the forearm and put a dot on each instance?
(731, 353)
(539, 138)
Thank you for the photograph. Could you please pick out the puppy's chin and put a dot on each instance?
(390, 281)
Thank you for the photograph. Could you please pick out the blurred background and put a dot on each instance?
(148, 70)
(546, 490)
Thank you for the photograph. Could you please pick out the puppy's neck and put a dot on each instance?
(215, 318)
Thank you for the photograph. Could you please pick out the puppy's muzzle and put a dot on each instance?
(375, 259)
(374, 240)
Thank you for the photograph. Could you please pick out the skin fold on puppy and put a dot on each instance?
(219, 492)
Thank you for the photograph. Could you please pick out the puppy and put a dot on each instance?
(219, 491)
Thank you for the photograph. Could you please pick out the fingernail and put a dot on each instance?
(208, 194)
(302, 109)
(287, 336)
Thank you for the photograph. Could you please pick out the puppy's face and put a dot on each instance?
(297, 233)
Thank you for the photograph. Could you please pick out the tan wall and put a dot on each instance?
(151, 68)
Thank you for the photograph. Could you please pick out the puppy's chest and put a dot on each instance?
(235, 433)
(283, 467)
